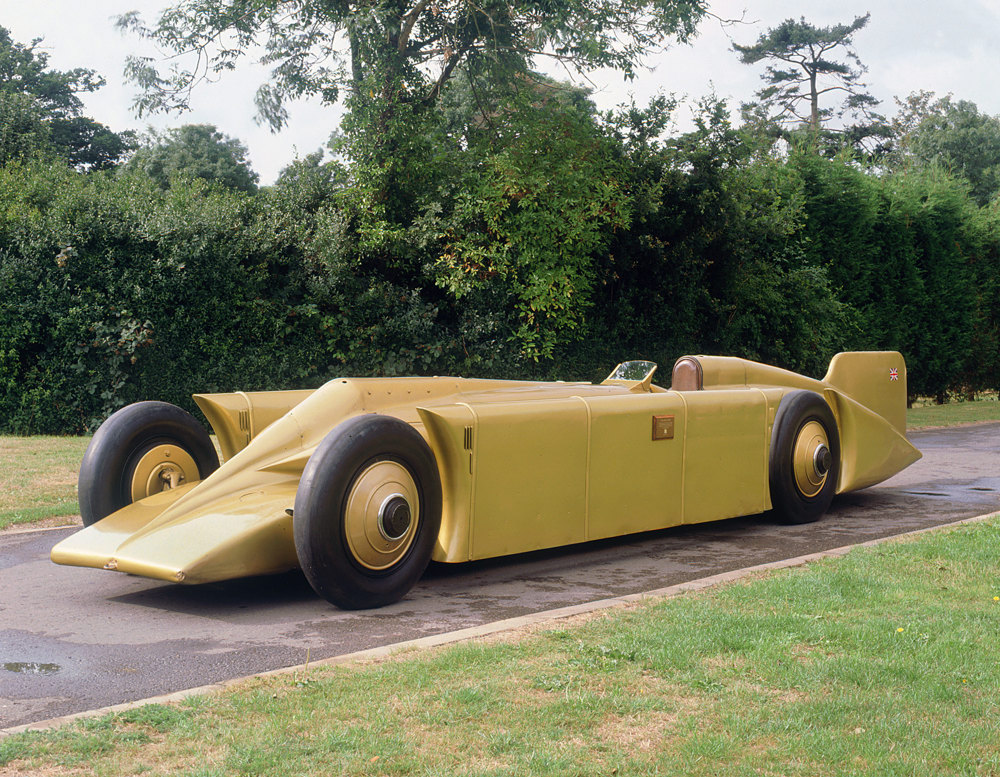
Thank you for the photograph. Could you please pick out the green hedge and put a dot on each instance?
(114, 291)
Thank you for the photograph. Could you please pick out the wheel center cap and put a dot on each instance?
(394, 517)
(822, 460)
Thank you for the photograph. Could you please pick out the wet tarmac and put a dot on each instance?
(73, 639)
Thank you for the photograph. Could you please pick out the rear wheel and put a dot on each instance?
(141, 450)
(367, 512)
(804, 459)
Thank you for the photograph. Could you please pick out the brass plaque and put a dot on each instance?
(663, 427)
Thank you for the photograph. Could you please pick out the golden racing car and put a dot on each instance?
(362, 482)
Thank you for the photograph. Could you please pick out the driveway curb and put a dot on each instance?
(11, 532)
(495, 627)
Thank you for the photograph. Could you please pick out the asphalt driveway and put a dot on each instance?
(73, 639)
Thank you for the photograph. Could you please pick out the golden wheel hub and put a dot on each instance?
(382, 514)
(811, 459)
(162, 468)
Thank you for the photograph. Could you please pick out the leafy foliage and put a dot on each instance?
(53, 100)
(24, 70)
(399, 51)
(195, 151)
(897, 250)
(538, 205)
(953, 134)
(112, 291)
(24, 134)
(712, 262)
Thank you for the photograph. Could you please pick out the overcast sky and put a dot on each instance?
(907, 46)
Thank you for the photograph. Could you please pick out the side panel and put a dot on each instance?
(530, 462)
(635, 482)
(449, 432)
(726, 449)
(524, 476)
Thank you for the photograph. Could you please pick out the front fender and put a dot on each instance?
(240, 535)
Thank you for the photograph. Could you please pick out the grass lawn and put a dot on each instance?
(38, 478)
(882, 662)
(919, 417)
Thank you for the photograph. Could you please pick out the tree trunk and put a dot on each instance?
(814, 103)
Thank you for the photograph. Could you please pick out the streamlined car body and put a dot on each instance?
(362, 482)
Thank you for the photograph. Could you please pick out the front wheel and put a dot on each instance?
(141, 450)
(804, 463)
(367, 512)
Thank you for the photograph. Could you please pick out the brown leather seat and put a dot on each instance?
(687, 375)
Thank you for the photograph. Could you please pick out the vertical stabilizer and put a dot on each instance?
(875, 379)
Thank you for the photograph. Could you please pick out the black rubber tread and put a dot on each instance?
(118, 444)
(797, 408)
(318, 522)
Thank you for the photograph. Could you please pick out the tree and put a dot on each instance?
(394, 58)
(23, 69)
(394, 51)
(807, 73)
(309, 182)
(83, 142)
(195, 151)
(23, 131)
(953, 134)
(89, 145)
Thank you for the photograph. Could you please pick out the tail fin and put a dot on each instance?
(875, 379)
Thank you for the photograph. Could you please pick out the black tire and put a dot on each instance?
(335, 474)
(114, 452)
(799, 409)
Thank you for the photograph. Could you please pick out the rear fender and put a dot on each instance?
(871, 448)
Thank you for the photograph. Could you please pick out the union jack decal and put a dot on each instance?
(893, 373)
